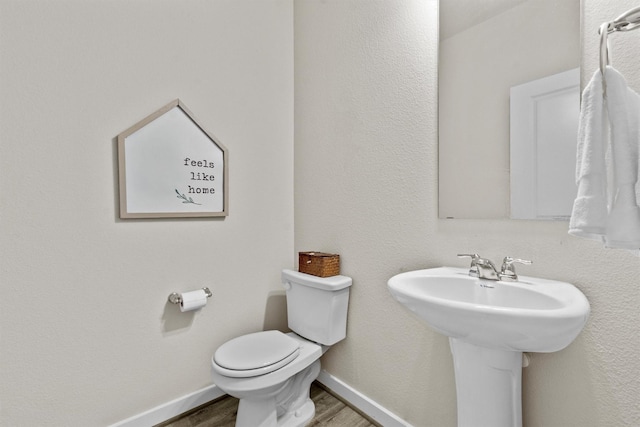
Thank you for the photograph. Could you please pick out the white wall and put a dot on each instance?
(87, 335)
(366, 187)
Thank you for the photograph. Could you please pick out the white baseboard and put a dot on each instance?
(183, 404)
(361, 402)
(171, 409)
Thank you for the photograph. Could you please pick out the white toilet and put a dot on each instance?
(271, 372)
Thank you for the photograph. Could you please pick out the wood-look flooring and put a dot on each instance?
(330, 412)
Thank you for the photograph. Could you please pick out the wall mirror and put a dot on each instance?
(507, 70)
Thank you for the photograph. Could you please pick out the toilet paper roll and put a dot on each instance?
(193, 300)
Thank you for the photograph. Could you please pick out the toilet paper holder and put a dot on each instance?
(176, 298)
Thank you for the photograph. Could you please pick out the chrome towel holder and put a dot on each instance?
(630, 20)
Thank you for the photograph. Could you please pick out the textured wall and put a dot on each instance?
(88, 338)
(366, 187)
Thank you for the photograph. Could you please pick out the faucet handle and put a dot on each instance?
(508, 271)
(473, 269)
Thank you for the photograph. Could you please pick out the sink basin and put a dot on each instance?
(489, 324)
(530, 315)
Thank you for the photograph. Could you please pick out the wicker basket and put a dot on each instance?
(319, 264)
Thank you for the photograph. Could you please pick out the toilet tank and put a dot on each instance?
(317, 306)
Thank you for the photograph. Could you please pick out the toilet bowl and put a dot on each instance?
(266, 399)
(271, 372)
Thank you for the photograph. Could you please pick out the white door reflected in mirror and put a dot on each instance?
(543, 134)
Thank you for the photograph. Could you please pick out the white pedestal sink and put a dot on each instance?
(489, 324)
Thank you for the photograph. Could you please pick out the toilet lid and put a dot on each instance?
(256, 354)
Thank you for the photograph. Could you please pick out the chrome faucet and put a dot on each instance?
(473, 269)
(508, 271)
(483, 268)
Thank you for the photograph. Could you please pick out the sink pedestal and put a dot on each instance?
(488, 385)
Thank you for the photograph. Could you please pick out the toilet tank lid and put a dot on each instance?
(332, 283)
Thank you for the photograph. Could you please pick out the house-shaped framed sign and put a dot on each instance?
(171, 167)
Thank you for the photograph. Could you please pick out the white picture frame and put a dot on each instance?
(171, 167)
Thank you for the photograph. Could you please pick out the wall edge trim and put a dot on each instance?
(168, 410)
(354, 398)
(359, 401)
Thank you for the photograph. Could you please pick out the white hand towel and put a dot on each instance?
(589, 216)
(606, 207)
(623, 106)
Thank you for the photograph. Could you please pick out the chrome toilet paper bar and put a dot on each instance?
(176, 298)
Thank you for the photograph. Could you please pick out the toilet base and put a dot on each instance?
(289, 406)
(299, 417)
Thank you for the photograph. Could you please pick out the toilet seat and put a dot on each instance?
(255, 354)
